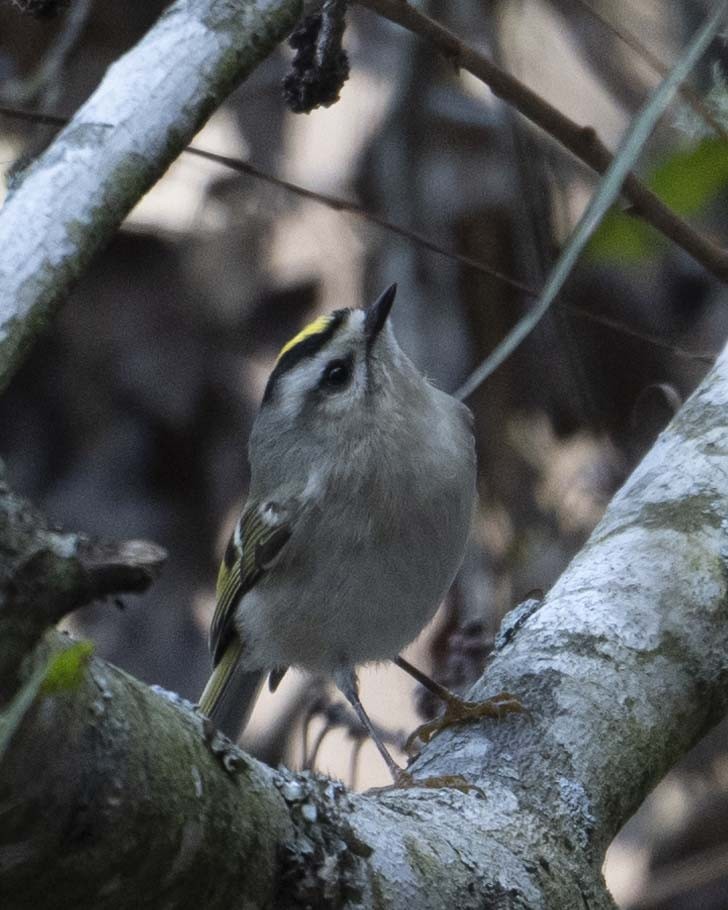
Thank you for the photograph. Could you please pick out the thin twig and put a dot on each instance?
(351, 208)
(36, 117)
(633, 42)
(332, 202)
(606, 193)
(581, 141)
(617, 325)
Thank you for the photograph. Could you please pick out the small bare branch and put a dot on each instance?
(46, 574)
(632, 41)
(581, 141)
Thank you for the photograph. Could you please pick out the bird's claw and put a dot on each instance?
(459, 711)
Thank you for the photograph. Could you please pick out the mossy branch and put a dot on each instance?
(110, 790)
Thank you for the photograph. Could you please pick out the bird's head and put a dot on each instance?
(338, 370)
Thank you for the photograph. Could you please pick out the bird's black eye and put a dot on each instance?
(336, 375)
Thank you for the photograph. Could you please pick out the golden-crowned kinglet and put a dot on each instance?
(361, 497)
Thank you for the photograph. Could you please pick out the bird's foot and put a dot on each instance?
(459, 711)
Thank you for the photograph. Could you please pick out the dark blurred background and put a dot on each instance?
(130, 417)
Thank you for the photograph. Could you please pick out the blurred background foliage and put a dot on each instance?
(130, 417)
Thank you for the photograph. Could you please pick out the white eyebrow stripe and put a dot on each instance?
(294, 384)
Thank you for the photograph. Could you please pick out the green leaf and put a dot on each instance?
(688, 180)
(66, 669)
(622, 238)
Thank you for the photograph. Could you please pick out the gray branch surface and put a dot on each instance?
(110, 790)
(150, 104)
(113, 795)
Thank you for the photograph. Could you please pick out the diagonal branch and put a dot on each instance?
(581, 141)
(151, 102)
(687, 93)
(622, 667)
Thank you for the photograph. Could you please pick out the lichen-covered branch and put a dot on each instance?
(112, 797)
(108, 789)
(150, 104)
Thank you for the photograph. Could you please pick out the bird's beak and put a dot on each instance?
(376, 314)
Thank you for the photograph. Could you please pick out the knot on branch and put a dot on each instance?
(45, 574)
(232, 759)
(68, 571)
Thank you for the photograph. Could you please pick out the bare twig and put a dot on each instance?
(632, 144)
(333, 202)
(619, 326)
(632, 41)
(69, 571)
(36, 117)
(351, 208)
(581, 141)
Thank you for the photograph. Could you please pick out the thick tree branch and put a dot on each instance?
(622, 667)
(581, 141)
(151, 102)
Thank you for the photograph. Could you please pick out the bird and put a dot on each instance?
(361, 497)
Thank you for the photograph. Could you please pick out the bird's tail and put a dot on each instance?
(230, 693)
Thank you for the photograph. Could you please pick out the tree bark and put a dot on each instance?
(150, 104)
(114, 795)
(110, 790)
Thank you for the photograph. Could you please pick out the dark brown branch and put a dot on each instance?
(581, 141)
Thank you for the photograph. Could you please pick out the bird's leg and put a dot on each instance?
(347, 683)
(348, 686)
(457, 710)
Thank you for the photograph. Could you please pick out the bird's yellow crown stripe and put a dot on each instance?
(317, 327)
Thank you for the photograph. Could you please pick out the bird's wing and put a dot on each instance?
(256, 543)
